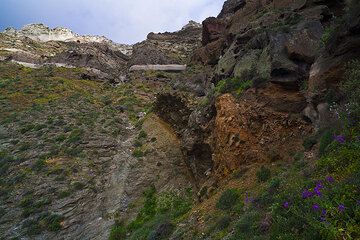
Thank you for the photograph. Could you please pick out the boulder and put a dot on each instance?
(209, 54)
(213, 29)
(304, 43)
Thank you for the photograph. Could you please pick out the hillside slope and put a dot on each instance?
(257, 139)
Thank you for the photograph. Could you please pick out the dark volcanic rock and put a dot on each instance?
(230, 7)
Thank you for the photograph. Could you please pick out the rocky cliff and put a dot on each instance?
(256, 137)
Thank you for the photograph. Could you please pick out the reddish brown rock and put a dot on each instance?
(247, 131)
(209, 54)
(213, 29)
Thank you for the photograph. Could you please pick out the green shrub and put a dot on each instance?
(263, 174)
(53, 222)
(73, 151)
(325, 140)
(75, 136)
(138, 153)
(173, 204)
(328, 34)
(309, 142)
(247, 227)
(64, 193)
(341, 158)
(39, 164)
(5, 160)
(351, 89)
(106, 100)
(232, 85)
(162, 231)
(228, 199)
(27, 128)
(39, 127)
(78, 185)
(147, 212)
(118, 232)
(60, 138)
(223, 223)
(142, 134)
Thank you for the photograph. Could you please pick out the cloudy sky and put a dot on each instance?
(124, 21)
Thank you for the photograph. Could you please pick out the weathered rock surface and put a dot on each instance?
(167, 48)
(230, 7)
(42, 33)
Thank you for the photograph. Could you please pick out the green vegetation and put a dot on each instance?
(156, 216)
(263, 174)
(309, 142)
(46, 221)
(118, 232)
(308, 201)
(351, 89)
(228, 199)
(325, 140)
(329, 33)
(52, 114)
(236, 85)
(138, 153)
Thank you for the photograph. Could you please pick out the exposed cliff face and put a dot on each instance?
(254, 90)
(42, 33)
(167, 48)
(101, 60)
(279, 45)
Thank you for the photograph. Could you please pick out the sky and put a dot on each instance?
(123, 21)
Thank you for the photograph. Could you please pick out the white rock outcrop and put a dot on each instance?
(42, 33)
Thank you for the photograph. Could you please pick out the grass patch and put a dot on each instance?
(263, 174)
(228, 199)
(229, 85)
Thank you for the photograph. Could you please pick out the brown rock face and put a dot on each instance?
(328, 69)
(247, 132)
(209, 54)
(213, 29)
(230, 7)
(167, 48)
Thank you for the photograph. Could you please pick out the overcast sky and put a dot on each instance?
(124, 21)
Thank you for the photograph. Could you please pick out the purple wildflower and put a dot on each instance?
(340, 139)
(341, 207)
(323, 212)
(246, 198)
(315, 207)
(286, 205)
(330, 179)
(307, 194)
(317, 191)
(319, 185)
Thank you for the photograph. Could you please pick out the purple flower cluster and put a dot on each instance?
(307, 194)
(316, 207)
(340, 139)
(317, 189)
(341, 207)
(248, 199)
(330, 179)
